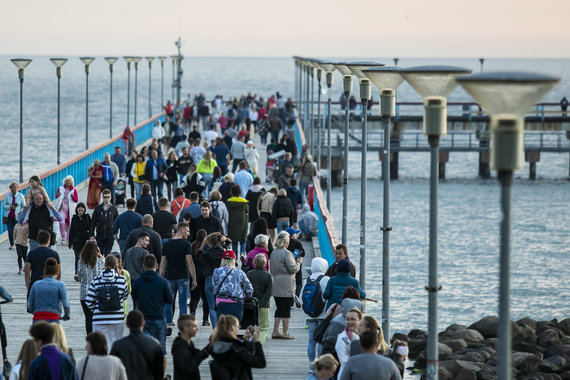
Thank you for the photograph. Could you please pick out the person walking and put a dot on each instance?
(238, 209)
(79, 233)
(34, 268)
(317, 278)
(125, 223)
(104, 216)
(339, 282)
(48, 296)
(282, 211)
(98, 364)
(90, 264)
(155, 173)
(51, 362)
(105, 298)
(185, 356)
(110, 175)
(14, 203)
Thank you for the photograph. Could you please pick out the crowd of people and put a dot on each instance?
(218, 235)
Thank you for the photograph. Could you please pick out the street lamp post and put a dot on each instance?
(111, 61)
(386, 79)
(329, 78)
(365, 92)
(481, 61)
(173, 59)
(129, 60)
(347, 89)
(434, 84)
(58, 62)
(162, 59)
(21, 64)
(136, 60)
(506, 97)
(319, 124)
(87, 62)
(149, 59)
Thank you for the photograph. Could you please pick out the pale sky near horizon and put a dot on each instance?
(317, 28)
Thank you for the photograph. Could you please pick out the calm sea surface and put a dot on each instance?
(469, 214)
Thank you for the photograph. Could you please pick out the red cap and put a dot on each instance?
(229, 255)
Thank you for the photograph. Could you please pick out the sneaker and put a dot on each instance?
(12, 248)
(297, 302)
(205, 323)
(169, 330)
(20, 272)
(76, 278)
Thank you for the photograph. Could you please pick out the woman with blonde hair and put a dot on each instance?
(369, 323)
(234, 358)
(324, 367)
(60, 340)
(218, 206)
(206, 169)
(27, 353)
(65, 201)
(283, 267)
(231, 286)
(192, 181)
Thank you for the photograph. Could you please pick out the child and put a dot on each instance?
(21, 241)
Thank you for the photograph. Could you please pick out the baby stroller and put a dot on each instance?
(120, 191)
(272, 166)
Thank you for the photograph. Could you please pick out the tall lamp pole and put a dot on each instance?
(87, 62)
(173, 58)
(136, 60)
(329, 78)
(386, 79)
(149, 60)
(21, 64)
(319, 124)
(111, 61)
(506, 96)
(347, 89)
(58, 62)
(365, 93)
(129, 60)
(162, 59)
(434, 84)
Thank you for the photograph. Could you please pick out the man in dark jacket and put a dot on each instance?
(126, 222)
(186, 356)
(155, 172)
(206, 221)
(155, 245)
(295, 197)
(39, 218)
(340, 253)
(140, 354)
(151, 293)
(104, 217)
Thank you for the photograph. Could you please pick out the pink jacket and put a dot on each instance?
(251, 255)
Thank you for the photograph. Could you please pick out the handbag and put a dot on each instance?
(219, 286)
(4, 220)
(322, 327)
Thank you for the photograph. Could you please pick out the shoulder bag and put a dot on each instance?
(219, 286)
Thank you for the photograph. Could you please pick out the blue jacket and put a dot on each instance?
(150, 293)
(47, 295)
(126, 222)
(295, 197)
(46, 365)
(193, 209)
(161, 167)
(337, 284)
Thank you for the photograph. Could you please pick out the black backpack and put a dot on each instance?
(108, 298)
(313, 304)
(215, 211)
(322, 327)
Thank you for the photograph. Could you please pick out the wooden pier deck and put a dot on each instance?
(286, 359)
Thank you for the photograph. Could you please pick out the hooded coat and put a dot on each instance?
(238, 210)
(318, 268)
(236, 358)
(283, 268)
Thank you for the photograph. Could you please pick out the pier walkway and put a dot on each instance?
(286, 359)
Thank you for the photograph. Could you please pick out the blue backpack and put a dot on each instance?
(313, 304)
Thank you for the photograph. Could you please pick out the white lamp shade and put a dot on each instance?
(21, 63)
(162, 58)
(87, 60)
(326, 66)
(136, 59)
(357, 67)
(513, 93)
(111, 60)
(128, 59)
(174, 58)
(58, 62)
(431, 81)
(341, 67)
(384, 78)
(149, 59)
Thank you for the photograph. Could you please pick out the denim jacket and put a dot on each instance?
(48, 295)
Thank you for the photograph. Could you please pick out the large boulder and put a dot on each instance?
(518, 359)
(417, 334)
(564, 326)
(465, 370)
(486, 326)
(527, 322)
(552, 364)
(487, 372)
(548, 337)
(415, 346)
(565, 375)
(456, 344)
(473, 357)
(528, 347)
(562, 350)
(542, 376)
(543, 325)
(469, 335)
(525, 334)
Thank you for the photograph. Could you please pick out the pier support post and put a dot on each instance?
(532, 157)
(394, 165)
(443, 159)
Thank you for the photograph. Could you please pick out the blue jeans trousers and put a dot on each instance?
(282, 226)
(182, 287)
(209, 287)
(157, 329)
(312, 350)
(235, 309)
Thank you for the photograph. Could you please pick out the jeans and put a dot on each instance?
(207, 177)
(112, 331)
(235, 309)
(241, 246)
(312, 348)
(199, 293)
(282, 226)
(305, 230)
(157, 329)
(209, 286)
(111, 188)
(304, 187)
(224, 168)
(181, 286)
(138, 189)
(156, 186)
(10, 227)
(122, 243)
(105, 244)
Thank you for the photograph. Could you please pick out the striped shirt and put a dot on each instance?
(107, 277)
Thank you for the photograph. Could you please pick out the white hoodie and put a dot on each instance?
(318, 267)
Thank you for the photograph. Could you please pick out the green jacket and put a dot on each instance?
(238, 210)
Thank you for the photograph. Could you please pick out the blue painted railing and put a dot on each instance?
(327, 234)
(77, 166)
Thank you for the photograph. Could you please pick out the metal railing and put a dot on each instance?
(77, 166)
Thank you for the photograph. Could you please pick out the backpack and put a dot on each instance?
(322, 327)
(215, 211)
(108, 298)
(313, 304)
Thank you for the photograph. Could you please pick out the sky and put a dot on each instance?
(269, 28)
